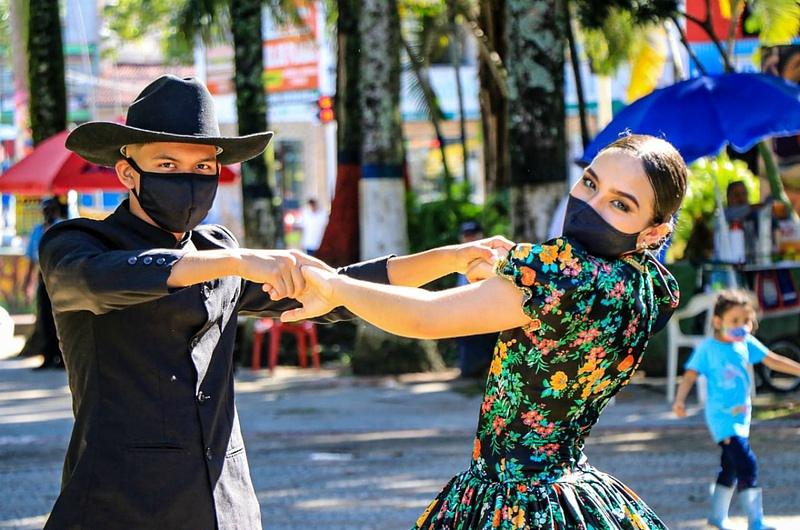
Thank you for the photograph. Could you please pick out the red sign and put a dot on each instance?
(697, 9)
(292, 54)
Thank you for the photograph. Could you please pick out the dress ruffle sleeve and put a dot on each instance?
(555, 278)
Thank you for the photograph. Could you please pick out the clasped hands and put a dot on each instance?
(293, 274)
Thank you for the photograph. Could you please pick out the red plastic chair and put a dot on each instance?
(305, 332)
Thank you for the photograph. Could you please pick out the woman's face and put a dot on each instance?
(616, 186)
(618, 189)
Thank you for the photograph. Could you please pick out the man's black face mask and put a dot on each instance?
(177, 202)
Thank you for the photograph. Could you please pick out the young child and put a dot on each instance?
(724, 360)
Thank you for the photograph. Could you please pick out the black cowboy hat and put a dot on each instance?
(169, 109)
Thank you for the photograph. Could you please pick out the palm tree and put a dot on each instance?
(521, 45)
(383, 213)
(536, 35)
(383, 190)
(48, 92)
(17, 10)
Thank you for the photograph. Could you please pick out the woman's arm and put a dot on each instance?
(484, 307)
(687, 381)
(779, 363)
(424, 267)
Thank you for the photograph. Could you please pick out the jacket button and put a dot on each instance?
(132, 260)
(147, 260)
(202, 397)
(161, 261)
(209, 453)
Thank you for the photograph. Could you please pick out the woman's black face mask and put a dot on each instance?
(583, 224)
(177, 202)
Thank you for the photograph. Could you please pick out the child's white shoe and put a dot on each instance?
(753, 507)
(720, 503)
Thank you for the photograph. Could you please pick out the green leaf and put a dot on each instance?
(777, 21)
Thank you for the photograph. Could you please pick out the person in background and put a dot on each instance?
(738, 205)
(474, 351)
(315, 219)
(44, 340)
(724, 360)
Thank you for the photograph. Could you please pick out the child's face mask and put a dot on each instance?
(736, 334)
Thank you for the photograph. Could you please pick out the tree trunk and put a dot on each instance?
(493, 103)
(456, 56)
(262, 221)
(384, 228)
(340, 244)
(536, 36)
(383, 214)
(48, 91)
(19, 15)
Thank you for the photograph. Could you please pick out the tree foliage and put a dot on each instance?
(777, 21)
(594, 14)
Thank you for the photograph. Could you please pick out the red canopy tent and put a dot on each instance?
(53, 169)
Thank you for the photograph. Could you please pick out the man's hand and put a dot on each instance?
(278, 270)
(290, 261)
(318, 298)
(679, 408)
(476, 259)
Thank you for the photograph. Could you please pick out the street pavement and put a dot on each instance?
(342, 453)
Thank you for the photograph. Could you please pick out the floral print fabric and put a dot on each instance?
(590, 320)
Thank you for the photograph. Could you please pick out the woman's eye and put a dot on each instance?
(621, 206)
(588, 183)
(203, 166)
(167, 165)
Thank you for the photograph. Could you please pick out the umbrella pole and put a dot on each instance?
(723, 235)
(774, 178)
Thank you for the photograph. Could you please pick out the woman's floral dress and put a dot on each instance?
(591, 319)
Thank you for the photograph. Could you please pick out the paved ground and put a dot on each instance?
(347, 454)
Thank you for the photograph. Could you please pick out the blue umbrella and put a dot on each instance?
(700, 116)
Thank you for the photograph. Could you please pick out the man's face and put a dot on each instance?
(737, 195)
(169, 157)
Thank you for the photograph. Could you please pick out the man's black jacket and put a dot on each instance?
(156, 442)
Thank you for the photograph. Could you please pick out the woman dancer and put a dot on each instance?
(577, 312)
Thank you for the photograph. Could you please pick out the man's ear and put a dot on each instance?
(125, 174)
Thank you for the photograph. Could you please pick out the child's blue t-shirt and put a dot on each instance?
(724, 365)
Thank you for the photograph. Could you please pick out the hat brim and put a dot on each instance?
(99, 142)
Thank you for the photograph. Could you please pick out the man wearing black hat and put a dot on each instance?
(145, 304)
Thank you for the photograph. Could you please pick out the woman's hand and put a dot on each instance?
(476, 259)
(318, 297)
(679, 408)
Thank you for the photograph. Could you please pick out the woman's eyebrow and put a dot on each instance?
(628, 196)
